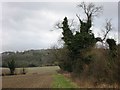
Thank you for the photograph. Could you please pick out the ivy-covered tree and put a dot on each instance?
(82, 39)
(68, 38)
(79, 53)
(67, 34)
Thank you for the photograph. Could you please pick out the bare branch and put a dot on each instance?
(79, 18)
(71, 23)
(83, 6)
(108, 28)
(58, 25)
(90, 9)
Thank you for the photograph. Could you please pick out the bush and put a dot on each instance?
(11, 66)
(100, 68)
(65, 62)
(116, 66)
(23, 71)
(32, 65)
(78, 66)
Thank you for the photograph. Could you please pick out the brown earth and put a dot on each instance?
(27, 81)
(40, 79)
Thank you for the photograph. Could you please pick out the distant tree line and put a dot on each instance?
(30, 58)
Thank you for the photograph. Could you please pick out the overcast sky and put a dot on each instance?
(28, 25)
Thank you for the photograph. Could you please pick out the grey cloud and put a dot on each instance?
(27, 25)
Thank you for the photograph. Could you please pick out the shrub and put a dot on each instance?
(65, 60)
(32, 65)
(11, 66)
(99, 68)
(23, 71)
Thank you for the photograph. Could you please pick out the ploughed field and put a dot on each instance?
(35, 77)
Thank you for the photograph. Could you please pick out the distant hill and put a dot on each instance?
(30, 58)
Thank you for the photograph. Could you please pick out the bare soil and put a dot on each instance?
(36, 78)
(27, 81)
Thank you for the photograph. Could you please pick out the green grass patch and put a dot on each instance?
(61, 82)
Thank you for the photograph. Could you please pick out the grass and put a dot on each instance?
(61, 82)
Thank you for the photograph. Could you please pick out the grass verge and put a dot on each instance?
(61, 82)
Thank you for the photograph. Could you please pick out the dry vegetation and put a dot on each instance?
(87, 83)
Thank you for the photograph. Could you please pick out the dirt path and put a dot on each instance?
(32, 80)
